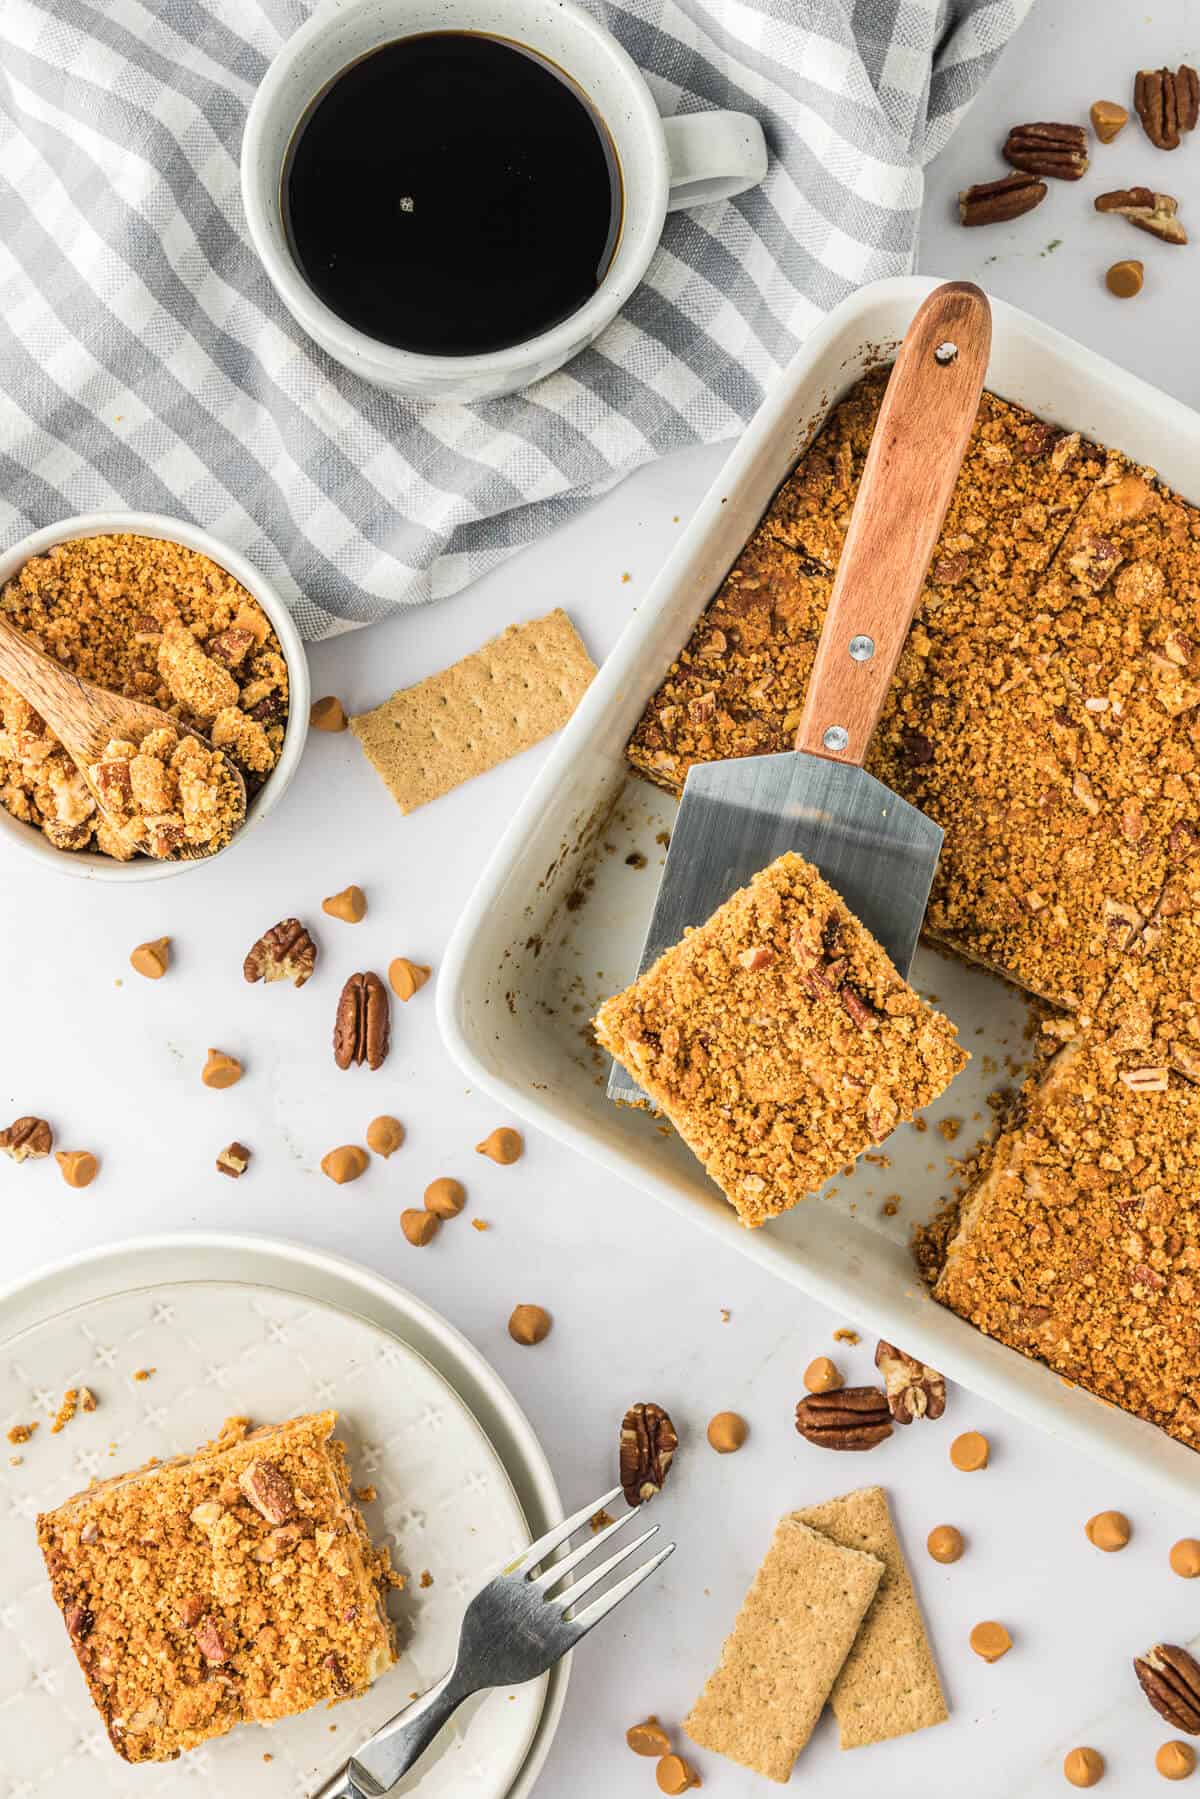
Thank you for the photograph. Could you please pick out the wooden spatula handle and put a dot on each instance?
(913, 462)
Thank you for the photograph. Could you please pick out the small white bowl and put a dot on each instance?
(89, 863)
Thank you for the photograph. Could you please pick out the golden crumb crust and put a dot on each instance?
(779, 1040)
(238, 1583)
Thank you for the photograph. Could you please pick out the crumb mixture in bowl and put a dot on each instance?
(151, 619)
(164, 794)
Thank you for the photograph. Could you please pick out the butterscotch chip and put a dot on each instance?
(502, 1145)
(350, 905)
(151, 959)
(407, 978)
(1108, 118)
(674, 1775)
(1083, 1767)
(727, 1432)
(1124, 279)
(1109, 1531)
(385, 1135)
(969, 1452)
(945, 1543)
(1175, 1760)
(648, 1738)
(1185, 1558)
(506, 697)
(990, 1640)
(822, 1376)
(234, 1160)
(79, 1166)
(220, 1070)
(419, 1226)
(445, 1196)
(345, 1163)
(788, 1645)
(328, 714)
(529, 1324)
(888, 1685)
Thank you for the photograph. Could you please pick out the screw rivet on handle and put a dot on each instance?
(946, 352)
(862, 648)
(835, 737)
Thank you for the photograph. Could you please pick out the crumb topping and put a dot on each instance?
(779, 1040)
(236, 1583)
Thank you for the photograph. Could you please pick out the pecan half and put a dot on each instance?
(646, 1450)
(1155, 213)
(913, 1389)
(284, 953)
(27, 1139)
(362, 1027)
(1168, 103)
(1059, 151)
(852, 1418)
(1170, 1679)
(995, 202)
(268, 1489)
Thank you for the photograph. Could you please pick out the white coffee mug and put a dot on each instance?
(664, 164)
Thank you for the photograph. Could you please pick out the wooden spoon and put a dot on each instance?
(86, 718)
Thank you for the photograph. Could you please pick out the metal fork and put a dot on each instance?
(514, 1630)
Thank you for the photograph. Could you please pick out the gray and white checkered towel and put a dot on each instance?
(145, 361)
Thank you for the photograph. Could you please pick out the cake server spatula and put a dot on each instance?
(876, 850)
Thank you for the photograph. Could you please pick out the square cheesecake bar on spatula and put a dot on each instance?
(779, 1040)
(238, 1583)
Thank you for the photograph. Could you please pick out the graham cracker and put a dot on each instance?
(789, 1640)
(501, 699)
(888, 1684)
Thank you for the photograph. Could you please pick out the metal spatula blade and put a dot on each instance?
(872, 847)
(875, 849)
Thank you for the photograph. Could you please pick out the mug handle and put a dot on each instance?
(713, 155)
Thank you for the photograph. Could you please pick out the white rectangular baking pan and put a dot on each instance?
(557, 920)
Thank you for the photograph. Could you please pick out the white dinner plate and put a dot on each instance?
(445, 1504)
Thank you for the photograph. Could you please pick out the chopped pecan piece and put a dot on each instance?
(233, 1160)
(1147, 210)
(230, 647)
(1170, 1679)
(27, 1139)
(996, 202)
(190, 1610)
(913, 1389)
(284, 953)
(336, 1673)
(268, 1489)
(760, 955)
(362, 1026)
(1146, 1080)
(1122, 923)
(1058, 151)
(852, 1418)
(211, 1642)
(864, 1014)
(647, 1448)
(79, 1620)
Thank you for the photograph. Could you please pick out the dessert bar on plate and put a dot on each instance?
(1041, 713)
(238, 1583)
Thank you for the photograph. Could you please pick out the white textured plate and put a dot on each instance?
(445, 1503)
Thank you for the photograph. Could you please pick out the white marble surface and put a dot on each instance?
(114, 1061)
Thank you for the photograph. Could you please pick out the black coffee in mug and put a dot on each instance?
(452, 193)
